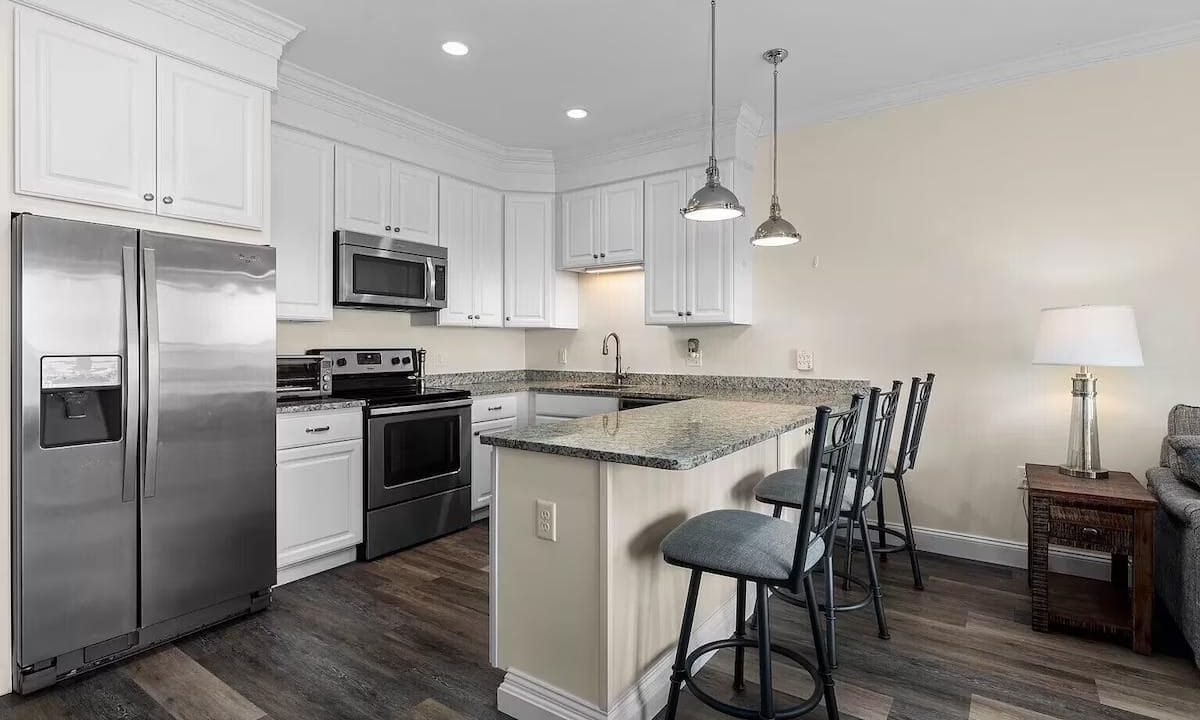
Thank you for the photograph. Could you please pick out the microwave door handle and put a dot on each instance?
(430, 282)
(133, 372)
(150, 279)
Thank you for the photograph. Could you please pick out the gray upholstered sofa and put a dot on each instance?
(1177, 531)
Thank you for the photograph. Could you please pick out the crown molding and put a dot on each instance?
(253, 26)
(1003, 74)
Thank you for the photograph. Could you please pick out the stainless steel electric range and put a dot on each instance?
(418, 448)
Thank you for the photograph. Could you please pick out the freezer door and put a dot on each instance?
(75, 455)
(208, 491)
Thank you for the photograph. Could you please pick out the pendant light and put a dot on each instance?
(713, 201)
(775, 231)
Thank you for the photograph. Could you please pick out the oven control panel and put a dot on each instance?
(366, 362)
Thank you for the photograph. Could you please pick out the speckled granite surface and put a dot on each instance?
(676, 436)
(716, 415)
(315, 404)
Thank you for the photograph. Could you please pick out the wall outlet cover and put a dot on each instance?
(547, 520)
(804, 360)
(562, 356)
(695, 359)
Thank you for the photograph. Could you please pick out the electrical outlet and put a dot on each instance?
(804, 360)
(547, 520)
(695, 359)
(562, 356)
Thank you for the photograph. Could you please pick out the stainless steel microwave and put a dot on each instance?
(385, 273)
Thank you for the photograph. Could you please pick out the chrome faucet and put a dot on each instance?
(621, 376)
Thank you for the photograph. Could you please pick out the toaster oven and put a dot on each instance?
(303, 376)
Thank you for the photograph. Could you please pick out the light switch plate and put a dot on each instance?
(547, 520)
(804, 360)
(562, 356)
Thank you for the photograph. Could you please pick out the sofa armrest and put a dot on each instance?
(1180, 499)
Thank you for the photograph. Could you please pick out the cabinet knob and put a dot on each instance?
(681, 313)
(507, 318)
(388, 228)
(148, 197)
(689, 313)
(595, 257)
(603, 255)
(168, 200)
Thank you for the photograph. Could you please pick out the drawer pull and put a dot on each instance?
(477, 433)
(498, 407)
(323, 428)
(1091, 531)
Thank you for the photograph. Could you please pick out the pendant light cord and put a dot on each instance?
(775, 140)
(712, 135)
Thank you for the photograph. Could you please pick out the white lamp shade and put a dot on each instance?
(1103, 335)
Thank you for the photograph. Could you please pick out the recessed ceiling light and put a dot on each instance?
(577, 113)
(454, 47)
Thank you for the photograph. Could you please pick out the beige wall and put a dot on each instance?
(450, 349)
(941, 229)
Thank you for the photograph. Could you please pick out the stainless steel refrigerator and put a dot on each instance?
(144, 440)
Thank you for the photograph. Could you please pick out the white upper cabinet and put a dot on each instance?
(85, 115)
(414, 210)
(363, 191)
(621, 223)
(471, 227)
(302, 224)
(211, 131)
(535, 294)
(697, 273)
(105, 122)
(602, 226)
(580, 228)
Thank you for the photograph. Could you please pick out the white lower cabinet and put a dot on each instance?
(319, 493)
(481, 461)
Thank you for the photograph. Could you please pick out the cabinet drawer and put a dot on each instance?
(494, 407)
(573, 406)
(1091, 528)
(314, 428)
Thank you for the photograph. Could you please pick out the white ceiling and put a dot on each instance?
(635, 64)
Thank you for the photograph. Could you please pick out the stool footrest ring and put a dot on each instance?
(888, 549)
(798, 601)
(752, 713)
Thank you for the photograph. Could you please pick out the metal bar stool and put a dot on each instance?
(906, 459)
(769, 552)
(787, 488)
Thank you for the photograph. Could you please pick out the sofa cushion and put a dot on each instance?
(1181, 500)
(1182, 420)
(1186, 457)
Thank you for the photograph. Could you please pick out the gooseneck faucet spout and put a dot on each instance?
(620, 374)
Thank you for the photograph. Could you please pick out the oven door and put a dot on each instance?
(417, 451)
(373, 276)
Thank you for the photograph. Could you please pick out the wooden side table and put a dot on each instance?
(1114, 516)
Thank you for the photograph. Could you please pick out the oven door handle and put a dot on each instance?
(405, 410)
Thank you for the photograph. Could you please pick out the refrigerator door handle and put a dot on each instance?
(133, 373)
(150, 281)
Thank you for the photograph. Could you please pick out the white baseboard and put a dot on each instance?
(294, 572)
(1010, 553)
(527, 698)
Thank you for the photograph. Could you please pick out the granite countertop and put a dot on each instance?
(300, 405)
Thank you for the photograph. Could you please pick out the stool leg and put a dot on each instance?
(849, 553)
(830, 610)
(766, 694)
(679, 669)
(777, 512)
(739, 653)
(879, 517)
(831, 708)
(918, 583)
(873, 573)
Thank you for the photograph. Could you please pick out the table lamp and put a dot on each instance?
(1087, 335)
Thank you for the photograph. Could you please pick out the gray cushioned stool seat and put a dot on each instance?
(786, 487)
(739, 543)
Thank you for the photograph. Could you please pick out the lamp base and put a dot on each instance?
(1079, 472)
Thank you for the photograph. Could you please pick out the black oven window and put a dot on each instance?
(415, 450)
(384, 276)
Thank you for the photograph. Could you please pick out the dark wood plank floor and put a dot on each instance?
(406, 637)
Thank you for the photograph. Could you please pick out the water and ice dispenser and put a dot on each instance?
(80, 400)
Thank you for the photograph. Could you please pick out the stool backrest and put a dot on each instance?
(828, 465)
(914, 423)
(877, 438)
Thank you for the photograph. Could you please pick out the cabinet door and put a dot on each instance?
(709, 264)
(488, 258)
(666, 292)
(362, 191)
(528, 260)
(84, 115)
(481, 461)
(302, 224)
(457, 236)
(414, 213)
(212, 130)
(621, 223)
(580, 228)
(319, 497)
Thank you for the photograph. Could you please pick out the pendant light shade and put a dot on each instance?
(713, 201)
(775, 231)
